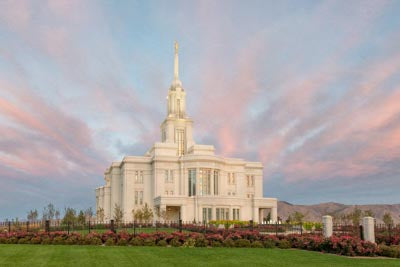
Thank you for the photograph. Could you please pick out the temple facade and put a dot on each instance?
(184, 180)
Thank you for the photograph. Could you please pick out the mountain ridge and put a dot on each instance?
(314, 212)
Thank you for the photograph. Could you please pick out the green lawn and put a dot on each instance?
(42, 255)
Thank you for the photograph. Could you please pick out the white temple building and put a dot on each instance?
(182, 179)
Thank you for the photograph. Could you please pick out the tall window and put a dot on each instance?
(216, 182)
(231, 178)
(205, 182)
(178, 106)
(180, 140)
(139, 177)
(169, 176)
(222, 213)
(250, 180)
(207, 214)
(192, 182)
(139, 197)
(236, 215)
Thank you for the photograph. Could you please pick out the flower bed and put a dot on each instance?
(342, 245)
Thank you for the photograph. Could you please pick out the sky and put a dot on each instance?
(309, 88)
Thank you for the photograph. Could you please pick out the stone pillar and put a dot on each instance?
(107, 203)
(327, 225)
(274, 214)
(369, 229)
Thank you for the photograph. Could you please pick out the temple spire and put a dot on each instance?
(176, 63)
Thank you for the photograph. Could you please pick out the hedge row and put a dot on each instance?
(343, 245)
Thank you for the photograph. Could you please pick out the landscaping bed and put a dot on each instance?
(341, 245)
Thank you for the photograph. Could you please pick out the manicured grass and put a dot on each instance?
(48, 255)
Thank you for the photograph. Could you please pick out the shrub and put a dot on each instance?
(284, 244)
(189, 243)
(242, 243)
(46, 241)
(23, 240)
(96, 241)
(3, 240)
(269, 243)
(216, 244)
(136, 242)
(162, 243)
(122, 242)
(149, 242)
(390, 251)
(201, 242)
(58, 241)
(36, 240)
(72, 240)
(229, 243)
(12, 240)
(110, 242)
(257, 244)
(175, 242)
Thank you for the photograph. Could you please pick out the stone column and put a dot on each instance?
(327, 225)
(369, 229)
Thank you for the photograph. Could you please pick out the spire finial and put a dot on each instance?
(176, 65)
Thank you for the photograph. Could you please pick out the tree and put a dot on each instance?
(143, 214)
(289, 219)
(69, 216)
(100, 214)
(356, 216)
(57, 214)
(32, 215)
(387, 218)
(298, 217)
(369, 213)
(162, 214)
(48, 212)
(147, 213)
(118, 213)
(268, 218)
(81, 217)
(89, 213)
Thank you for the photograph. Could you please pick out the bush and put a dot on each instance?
(46, 241)
(242, 243)
(229, 243)
(257, 244)
(390, 251)
(95, 241)
(23, 240)
(110, 242)
(216, 244)
(122, 242)
(3, 240)
(36, 240)
(58, 240)
(201, 242)
(136, 242)
(269, 243)
(162, 243)
(72, 240)
(149, 242)
(175, 242)
(284, 244)
(189, 243)
(12, 240)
